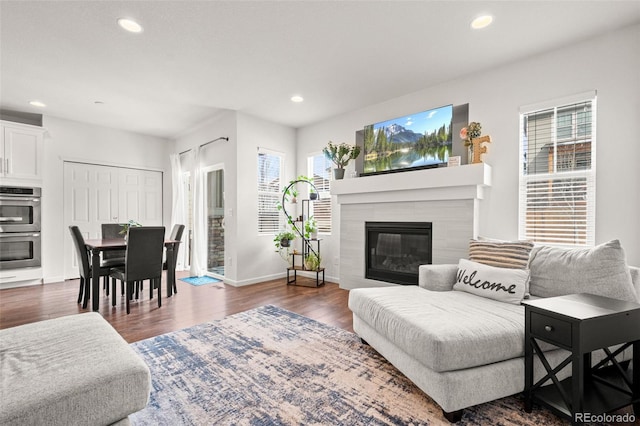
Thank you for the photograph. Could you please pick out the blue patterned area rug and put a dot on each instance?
(200, 280)
(269, 366)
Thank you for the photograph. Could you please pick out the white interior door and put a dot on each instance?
(95, 194)
(140, 196)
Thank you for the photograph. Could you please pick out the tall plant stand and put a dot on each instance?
(309, 245)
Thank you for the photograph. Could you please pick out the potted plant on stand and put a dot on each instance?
(312, 262)
(310, 229)
(340, 155)
(282, 241)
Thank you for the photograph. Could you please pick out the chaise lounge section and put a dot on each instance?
(460, 348)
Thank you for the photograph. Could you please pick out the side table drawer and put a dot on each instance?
(552, 329)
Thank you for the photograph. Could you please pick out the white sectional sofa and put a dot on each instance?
(463, 349)
(73, 370)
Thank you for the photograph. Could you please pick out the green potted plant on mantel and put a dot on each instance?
(340, 155)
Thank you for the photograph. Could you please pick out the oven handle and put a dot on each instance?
(11, 219)
(18, 234)
(8, 198)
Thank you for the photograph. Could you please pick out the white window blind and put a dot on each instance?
(557, 174)
(270, 165)
(319, 168)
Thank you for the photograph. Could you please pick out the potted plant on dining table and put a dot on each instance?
(126, 226)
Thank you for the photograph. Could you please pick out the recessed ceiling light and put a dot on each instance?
(481, 22)
(297, 98)
(38, 104)
(130, 25)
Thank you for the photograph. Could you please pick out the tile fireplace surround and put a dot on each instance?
(449, 197)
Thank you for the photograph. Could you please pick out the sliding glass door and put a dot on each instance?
(214, 205)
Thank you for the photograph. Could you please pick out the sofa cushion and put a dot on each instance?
(444, 330)
(503, 284)
(501, 254)
(601, 270)
(69, 371)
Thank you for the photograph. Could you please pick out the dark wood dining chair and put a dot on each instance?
(84, 266)
(112, 231)
(143, 261)
(176, 235)
(112, 258)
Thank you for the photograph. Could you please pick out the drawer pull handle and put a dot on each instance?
(548, 328)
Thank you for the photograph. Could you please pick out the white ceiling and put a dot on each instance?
(195, 57)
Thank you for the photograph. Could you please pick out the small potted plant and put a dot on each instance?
(313, 195)
(283, 239)
(312, 262)
(340, 155)
(126, 226)
(310, 228)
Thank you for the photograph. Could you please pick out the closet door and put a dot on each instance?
(95, 194)
(140, 197)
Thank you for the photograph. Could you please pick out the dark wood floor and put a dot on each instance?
(192, 305)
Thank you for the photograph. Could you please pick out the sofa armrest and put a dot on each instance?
(437, 277)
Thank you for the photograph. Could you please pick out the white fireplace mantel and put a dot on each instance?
(448, 197)
(444, 183)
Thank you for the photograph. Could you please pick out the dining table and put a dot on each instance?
(97, 246)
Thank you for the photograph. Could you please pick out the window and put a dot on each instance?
(557, 172)
(270, 165)
(319, 171)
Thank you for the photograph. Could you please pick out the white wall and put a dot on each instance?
(72, 140)
(257, 258)
(249, 257)
(608, 64)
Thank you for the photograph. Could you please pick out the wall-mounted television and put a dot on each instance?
(415, 141)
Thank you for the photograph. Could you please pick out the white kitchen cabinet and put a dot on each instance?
(21, 152)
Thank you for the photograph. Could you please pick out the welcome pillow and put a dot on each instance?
(503, 284)
(601, 270)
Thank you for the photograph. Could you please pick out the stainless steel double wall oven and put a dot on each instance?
(20, 222)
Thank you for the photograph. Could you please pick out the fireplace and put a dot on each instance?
(395, 250)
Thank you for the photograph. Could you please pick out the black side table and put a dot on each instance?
(581, 324)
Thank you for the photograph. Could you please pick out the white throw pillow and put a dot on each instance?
(601, 270)
(503, 284)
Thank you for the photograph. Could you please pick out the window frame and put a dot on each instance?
(274, 195)
(325, 226)
(567, 217)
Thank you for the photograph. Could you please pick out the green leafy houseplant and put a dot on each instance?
(283, 239)
(310, 228)
(341, 154)
(312, 262)
(130, 224)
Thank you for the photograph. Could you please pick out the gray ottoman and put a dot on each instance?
(74, 370)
